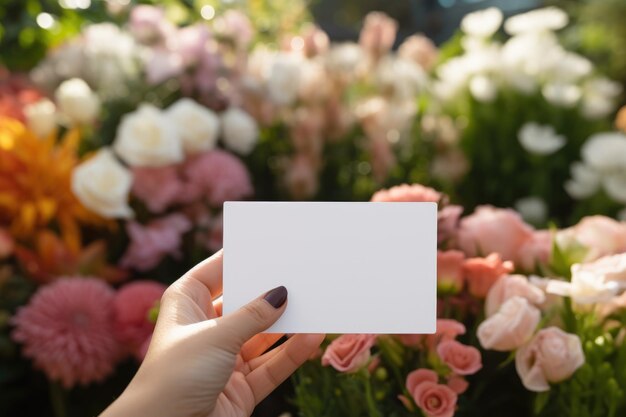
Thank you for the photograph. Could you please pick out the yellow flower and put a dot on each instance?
(35, 178)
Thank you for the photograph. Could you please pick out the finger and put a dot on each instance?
(209, 273)
(259, 344)
(218, 306)
(240, 326)
(277, 368)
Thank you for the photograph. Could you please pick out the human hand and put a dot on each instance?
(200, 364)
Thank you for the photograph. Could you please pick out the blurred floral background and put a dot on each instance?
(125, 125)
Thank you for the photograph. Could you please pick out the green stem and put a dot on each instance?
(371, 404)
(57, 399)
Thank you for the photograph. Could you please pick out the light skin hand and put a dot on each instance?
(201, 364)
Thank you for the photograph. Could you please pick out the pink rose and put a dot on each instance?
(407, 193)
(149, 25)
(220, 175)
(457, 384)
(551, 356)
(160, 188)
(349, 352)
(419, 376)
(482, 273)
(448, 222)
(150, 244)
(450, 276)
(460, 358)
(508, 287)
(536, 251)
(510, 327)
(491, 229)
(447, 329)
(435, 400)
(601, 235)
(378, 33)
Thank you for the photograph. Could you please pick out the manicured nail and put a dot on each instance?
(277, 296)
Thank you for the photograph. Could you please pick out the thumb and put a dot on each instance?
(253, 318)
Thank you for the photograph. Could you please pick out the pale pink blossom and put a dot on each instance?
(510, 327)
(191, 43)
(448, 222)
(450, 275)
(378, 33)
(349, 352)
(460, 358)
(160, 188)
(458, 384)
(407, 193)
(435, 400)
(236, 26)
(419, 49)
(219, 175)
(600, 235)
(149, 25)
(551, 356)
(482, 273)
(150, 244)
(316, 41)
(67, 330)
(608, 268)
(131, 306)
(301, 178)
(491, 229)
(510, 286)
(535, 251)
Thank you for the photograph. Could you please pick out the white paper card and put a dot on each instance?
(348, 267)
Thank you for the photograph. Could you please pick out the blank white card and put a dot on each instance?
(348, 267)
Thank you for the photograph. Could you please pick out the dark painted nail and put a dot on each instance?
(277, 296)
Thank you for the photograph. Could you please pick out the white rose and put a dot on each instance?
(239, 130)
(77, 103)
(102, 185)
(540, 139)
(41, 117)
(482, 23)
(147, 138)
(198, 126)
(585, 287)
(284, 79)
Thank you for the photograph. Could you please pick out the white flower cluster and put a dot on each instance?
(531, 60)
(105, 56)
(603, 165)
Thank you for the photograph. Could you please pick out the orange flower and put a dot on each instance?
(35, 184)
(620, 121)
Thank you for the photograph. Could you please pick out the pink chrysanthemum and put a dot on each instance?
(220, 175)
(67, 330)
(132, 305)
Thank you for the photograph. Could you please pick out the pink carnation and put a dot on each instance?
(67, 330)
(151, 243)
(220, 175)
(132, 304)
(160, 188)
(407, 193)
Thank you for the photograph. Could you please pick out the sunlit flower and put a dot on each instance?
(35, 184)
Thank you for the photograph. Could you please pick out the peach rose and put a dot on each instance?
(551, 356)
(450, 270)
(407, 193)
(457, 384)
(435, 400)
(482, 273)
(419, 376)
(460, 358)
(510, 327)
(349, 352)
(508, 287)
(447, 329)
(491, 229)
(601, 235)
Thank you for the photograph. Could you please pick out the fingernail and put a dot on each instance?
(277, 296)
